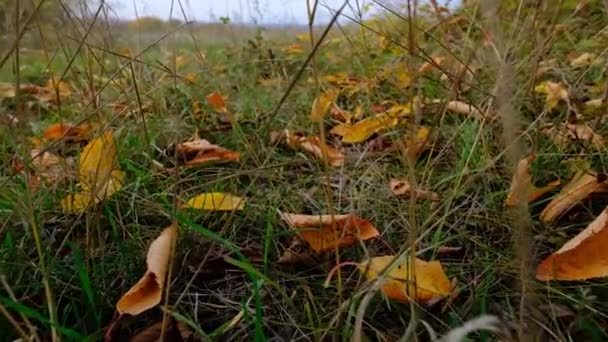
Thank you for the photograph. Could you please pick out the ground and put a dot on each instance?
(226, 282)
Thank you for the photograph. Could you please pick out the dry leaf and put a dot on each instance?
(294, 49)
(216, 201)
(51, 168)
(584, 256)
(401, 187)
(562, 134)
(585, 59)
(554, 92)
(321, 104)
(580, 187)
(463, 108)
(522, 184)
(414, 146)
(364, 129)
(201, 152)
(66, 131)
(431, 282)
(98, 177)
(326, 233)
(594, 103)
(430, 66)
(310, 144)
(147, 292)
(217, 102)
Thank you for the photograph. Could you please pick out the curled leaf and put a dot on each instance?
(326, 232)
(583, 257)
(147, 292)
(431, 283)
(201, 152)
(216, 201)
(464, 108)
(563, 134)
(401, 187)
(580, 187)
(555, 92)
(521, 184)
(311, 144)
(583, 60)
(98, 177)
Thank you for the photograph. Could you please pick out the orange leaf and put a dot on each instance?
(584, 256)
(326, 233)
(580, 187)
(66, 131)
(147, 292)
(201, 152)
(521, 184)
(217, 101)
(310, 144)
(426, 280)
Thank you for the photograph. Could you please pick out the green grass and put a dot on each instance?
(226, 283)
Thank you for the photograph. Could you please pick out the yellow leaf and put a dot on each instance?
(364, 129)
(147, 292)
(97, 161)
(585, 59)
(216, 201)
(98, 178)
(326, 232)
(554, 92)
(431, 282)
(77, 202)
(321, 104)
(584, 256)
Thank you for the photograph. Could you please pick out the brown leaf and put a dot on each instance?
(580, 187)
(401, 187)
(299, 253)
(464, 108)
(326, 232)
(51, 168)
(201, 152)
(311, 144)
(521, 184)
(584, 256)
(147, 292)
(563, 134)
(415, 145)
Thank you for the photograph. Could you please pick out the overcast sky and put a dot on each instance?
(260, 11)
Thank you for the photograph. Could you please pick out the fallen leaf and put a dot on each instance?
(594, 103)
(216, 201)
(555, 92)
(364, 129)
(311, 144)
(147, 292)
(401, 187)
(98, 177)
(580, 187)
(431, 283)
(583, 257)
(522, 184)
(585, 59)
(294, 49)
(217, 102)
(431, 65)
(60, 131)
(299, 253)
(50, 167)
(417, 144)
(562, 134)
(326, 232)
(321, 104)
(201, 152)
(463, 108)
